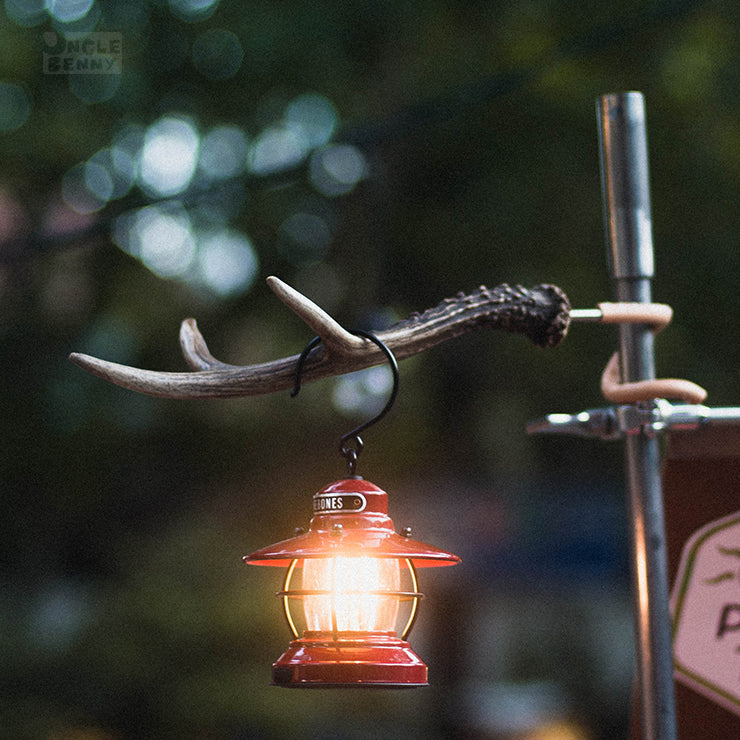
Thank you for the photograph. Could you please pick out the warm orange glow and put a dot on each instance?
(557, 730)
(352, 603)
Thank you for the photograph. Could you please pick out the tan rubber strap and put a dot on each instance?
(656, 315)
(644, 390)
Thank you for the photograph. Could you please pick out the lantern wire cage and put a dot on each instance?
(412, 596)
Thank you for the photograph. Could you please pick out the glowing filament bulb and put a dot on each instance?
(351, 602)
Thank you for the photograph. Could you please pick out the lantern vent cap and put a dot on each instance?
(360, 507)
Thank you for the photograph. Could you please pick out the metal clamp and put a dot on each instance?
(617, 422)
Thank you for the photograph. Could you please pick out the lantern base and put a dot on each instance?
(322, 660)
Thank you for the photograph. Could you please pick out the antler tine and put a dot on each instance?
(336, 339)
(195, 350)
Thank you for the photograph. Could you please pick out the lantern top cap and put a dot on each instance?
(350, 519)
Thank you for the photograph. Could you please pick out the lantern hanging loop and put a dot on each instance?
(351, 444)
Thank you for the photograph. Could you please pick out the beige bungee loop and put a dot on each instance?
(657, 315)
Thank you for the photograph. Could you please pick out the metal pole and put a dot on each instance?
(624, 171)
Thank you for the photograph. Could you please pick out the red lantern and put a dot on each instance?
(355, 574)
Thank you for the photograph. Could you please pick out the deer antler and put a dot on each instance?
(541, 313)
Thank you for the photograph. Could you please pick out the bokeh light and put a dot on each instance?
(85, 189)
(219, 261)
(68, 11)
(362, 392)
(217, 54)
(169, 156)
(129, 139)
(166, 244)
(227, 263)
(98, 180)
(120, 169)
(307, 122)
(223, 152)
(193, 10)
(26, 13)
(60, 614)
(316, 117)
(336, 169)
(161, 236)
(76, 27)
(106, 175)
(275, 149)
(192, 244)
(94, 88)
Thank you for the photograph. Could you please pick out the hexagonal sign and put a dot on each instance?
(706, 613)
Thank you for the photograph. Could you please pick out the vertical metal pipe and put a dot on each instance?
(625, 186)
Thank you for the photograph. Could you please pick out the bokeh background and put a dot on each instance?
(378, 156)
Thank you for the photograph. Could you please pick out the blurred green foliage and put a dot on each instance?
(471, 133)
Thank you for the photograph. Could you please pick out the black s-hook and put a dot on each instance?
(351, 444)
